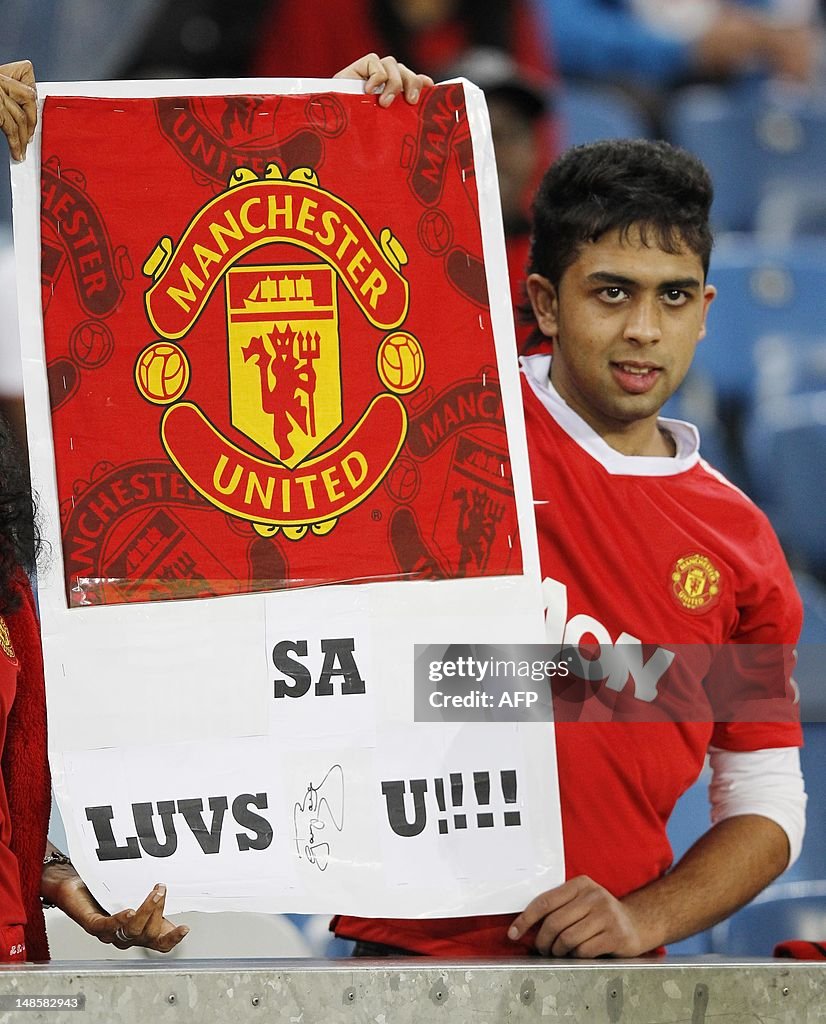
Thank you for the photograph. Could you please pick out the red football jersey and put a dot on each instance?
(667, 562)
(11, 902)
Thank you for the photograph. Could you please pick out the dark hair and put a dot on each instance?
(614, 185)
(19, 535)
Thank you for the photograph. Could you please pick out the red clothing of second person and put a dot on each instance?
(296, 40)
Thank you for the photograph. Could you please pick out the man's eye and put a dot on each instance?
(613, 294)
(676, 296)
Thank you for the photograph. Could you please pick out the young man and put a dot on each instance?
(648, 553)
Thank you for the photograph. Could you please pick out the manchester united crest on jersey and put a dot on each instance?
(5, 640)
(695, 582)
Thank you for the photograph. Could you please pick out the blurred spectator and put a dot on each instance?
(649, 47)
(519, 103)
(427, 35)
(203, 39)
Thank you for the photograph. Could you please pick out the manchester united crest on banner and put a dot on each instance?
(285, 386)
(276, 345)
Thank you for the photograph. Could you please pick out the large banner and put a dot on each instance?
(273, 408)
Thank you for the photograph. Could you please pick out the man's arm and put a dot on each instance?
(61, 885)
(725, 868)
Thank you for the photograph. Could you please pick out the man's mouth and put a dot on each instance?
(636, 378)
(638, 367)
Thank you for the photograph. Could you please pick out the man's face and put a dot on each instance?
(625, 320)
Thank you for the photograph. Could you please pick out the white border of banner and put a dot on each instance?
(110, 691)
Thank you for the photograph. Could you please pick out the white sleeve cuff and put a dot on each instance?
(767, 782)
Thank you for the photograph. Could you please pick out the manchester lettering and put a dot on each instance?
(100, 508)
(468, 404)
(439, 125)
(260, 212)
(77, 223)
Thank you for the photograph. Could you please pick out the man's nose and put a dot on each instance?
(644, 324)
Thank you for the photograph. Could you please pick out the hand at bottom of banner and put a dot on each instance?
(145, 926)
(580, 919)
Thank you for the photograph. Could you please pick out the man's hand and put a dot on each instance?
(580, 919)
(18, 105)
(145, 926)
(62, 885)
(387, 77)
(723, 870)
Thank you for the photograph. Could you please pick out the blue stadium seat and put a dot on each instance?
(792, 209)
(770, 306)
(786, 910)
(221, 936)
(811, 657)
(790, 363)
(691, 819)
(785, 444)
(592, 112)
(764, 291)
(753, 138)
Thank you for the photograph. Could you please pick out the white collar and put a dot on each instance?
(537, 370)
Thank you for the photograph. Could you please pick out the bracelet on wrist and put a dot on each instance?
(54, 857)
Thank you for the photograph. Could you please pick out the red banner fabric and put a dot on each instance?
(268, 345)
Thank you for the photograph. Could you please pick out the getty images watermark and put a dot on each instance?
(622, 682)
(483, 683)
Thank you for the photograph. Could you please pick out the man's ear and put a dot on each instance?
(544, 302)
(709, 294)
